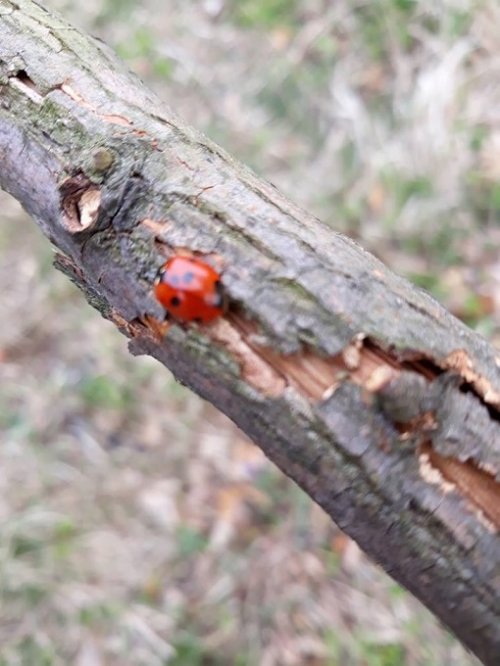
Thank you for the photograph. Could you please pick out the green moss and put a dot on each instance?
(374, 654)
(477, 136)
(431, 282)
(268, 14)
(32, 650)
(35, 594)
(189, 650)
(114, 11)
(142, 45)
(92, 297)
(103, 392)
(98, 614)
(458, 23)
(403, 188)
(382, 22)
(64, 128)
(483, 196)
(190, 541)
(64, 539)
(289, 98)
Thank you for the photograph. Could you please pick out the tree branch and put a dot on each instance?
(357, 384)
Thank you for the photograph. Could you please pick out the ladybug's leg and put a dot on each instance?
(158, 327)
(218, 299)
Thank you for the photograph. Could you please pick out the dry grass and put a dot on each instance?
(137, 525)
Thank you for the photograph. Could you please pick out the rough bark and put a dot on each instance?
(357, 384)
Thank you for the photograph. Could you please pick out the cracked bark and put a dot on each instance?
(357, 384)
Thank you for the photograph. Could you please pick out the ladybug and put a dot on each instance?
(190, 290)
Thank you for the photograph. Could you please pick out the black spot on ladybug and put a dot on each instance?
(188, 277)
(198, 320)
(175, 301)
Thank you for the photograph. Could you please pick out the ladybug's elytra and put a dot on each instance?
(190, 290)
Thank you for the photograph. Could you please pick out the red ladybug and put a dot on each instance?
(190, 290)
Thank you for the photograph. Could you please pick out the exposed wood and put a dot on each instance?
(361, 387)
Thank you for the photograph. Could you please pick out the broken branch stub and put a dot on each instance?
(361, 387)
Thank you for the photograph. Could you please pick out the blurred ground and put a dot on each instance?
(137, 525)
